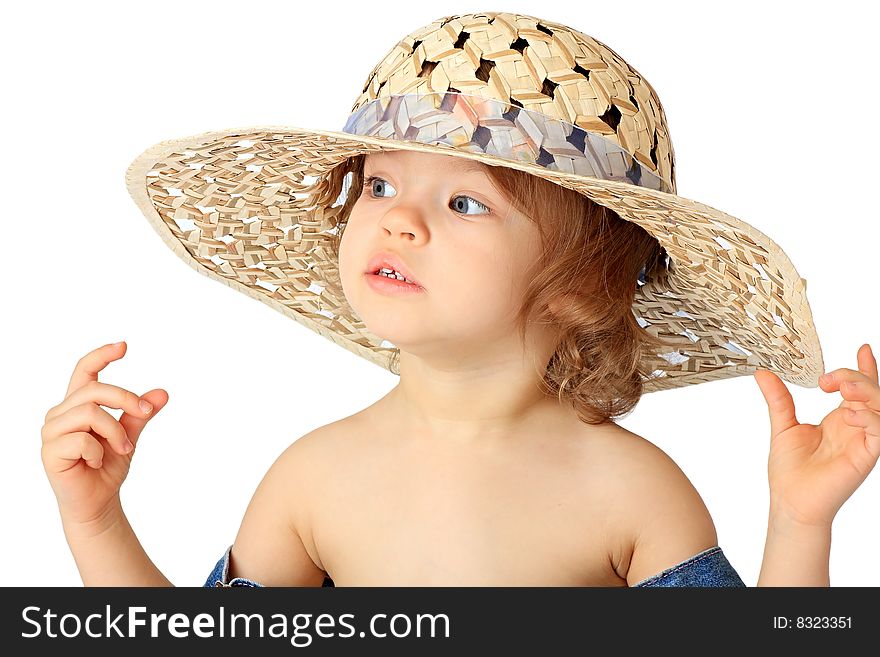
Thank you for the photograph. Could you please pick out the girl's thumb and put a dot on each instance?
(134, 425)
(780, 405)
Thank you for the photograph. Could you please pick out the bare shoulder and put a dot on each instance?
(273, 545)
(661, 520)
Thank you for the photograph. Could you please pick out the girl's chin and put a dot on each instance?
(389, 331)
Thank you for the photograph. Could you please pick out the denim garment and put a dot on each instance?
(707, 568)
(220, 575)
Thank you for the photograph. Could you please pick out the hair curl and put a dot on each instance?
(590, 265)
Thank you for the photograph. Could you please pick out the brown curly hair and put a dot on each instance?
(590, 265)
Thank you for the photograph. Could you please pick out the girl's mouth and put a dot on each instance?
(391, 285)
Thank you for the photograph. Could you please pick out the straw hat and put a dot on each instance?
(241, 205)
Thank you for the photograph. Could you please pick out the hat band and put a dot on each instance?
(494, 127)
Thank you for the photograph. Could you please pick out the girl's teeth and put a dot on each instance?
(392, 274)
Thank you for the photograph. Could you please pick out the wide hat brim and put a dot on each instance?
(238, 205)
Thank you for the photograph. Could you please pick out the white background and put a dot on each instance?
(772, 109)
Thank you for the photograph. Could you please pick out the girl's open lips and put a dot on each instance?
(391, 286)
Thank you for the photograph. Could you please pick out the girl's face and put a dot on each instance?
(458, 237)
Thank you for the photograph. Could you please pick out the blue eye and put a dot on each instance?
(374, 182)
(467, 198)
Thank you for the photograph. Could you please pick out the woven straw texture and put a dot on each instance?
(242, 205)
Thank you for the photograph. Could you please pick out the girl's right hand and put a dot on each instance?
(84, 447)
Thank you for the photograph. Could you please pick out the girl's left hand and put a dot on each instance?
(813, 469)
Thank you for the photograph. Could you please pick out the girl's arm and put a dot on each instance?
(795, 554)
(107, 553)
(814, 468)
(269, 549)
(87, 454)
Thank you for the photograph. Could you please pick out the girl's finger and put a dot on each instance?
(860, 391)
(67, 450)
(780, 404)
(870, 420)
(134, 423)
(868, 362)
(93, 362)
(86, 417)
(105, 394)
(830, 381)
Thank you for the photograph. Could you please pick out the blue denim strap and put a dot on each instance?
(220, 575)
(707, 568)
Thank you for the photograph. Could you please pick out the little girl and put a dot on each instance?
(495, 461)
